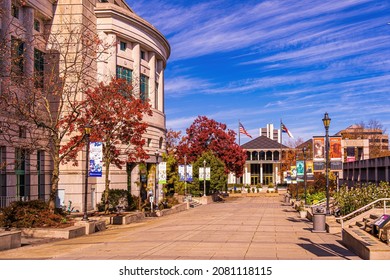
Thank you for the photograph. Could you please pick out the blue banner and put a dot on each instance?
(95, 159)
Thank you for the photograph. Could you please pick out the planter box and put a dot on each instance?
(175, 209)
(127, 219)
(63, 233)
(10, 240)
(92, 226)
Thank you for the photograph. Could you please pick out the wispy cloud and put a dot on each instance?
(263, 60)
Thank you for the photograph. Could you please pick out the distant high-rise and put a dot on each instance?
(270, 132)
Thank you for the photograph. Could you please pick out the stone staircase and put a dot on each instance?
(368, 225)
(194, 203)
(362, 237)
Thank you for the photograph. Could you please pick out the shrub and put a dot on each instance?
(314, 198)
(119, 199)
(31, 214)
(351, 200)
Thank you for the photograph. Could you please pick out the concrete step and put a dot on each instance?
(194, 204)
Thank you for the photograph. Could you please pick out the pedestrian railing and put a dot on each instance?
(363, 209)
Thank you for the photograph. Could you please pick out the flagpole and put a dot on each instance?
(239, 133)
(281, 151)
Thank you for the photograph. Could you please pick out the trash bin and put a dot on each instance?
(287, 197)
(319, 219)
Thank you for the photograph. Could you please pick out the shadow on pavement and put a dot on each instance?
(325, 250)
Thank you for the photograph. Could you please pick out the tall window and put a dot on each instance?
(20, 172)
(124, 73)
(17, 53)
(39, 63)
(156, 97)
(144, 87)
(3, 179)
(41, 174)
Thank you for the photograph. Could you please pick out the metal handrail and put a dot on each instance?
(363, 208)
(318, 203)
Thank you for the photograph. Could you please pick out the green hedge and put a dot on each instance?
(357, 197)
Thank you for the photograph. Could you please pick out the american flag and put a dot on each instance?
(243, 131)
(285, 130)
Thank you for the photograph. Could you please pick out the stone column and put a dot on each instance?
(152, 80)
(28, 22)
(5, 37)
(110, 69)
(137, 69)
(161, 87)
(261, 173)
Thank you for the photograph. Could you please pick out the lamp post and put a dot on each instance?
(304, 171)
(185, 175)
(296, 174)
(87, 132)
(157, 154)
(326, 120)
(204, 177)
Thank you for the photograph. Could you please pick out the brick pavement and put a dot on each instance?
(253, 228)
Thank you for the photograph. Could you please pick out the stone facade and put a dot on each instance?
(135, 49)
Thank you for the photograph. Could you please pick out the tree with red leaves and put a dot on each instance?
(116, 117)
(209, 135)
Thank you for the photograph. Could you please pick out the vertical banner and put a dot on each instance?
(293, 169)
(287, 176)
(300, 170)
(335, 148)
(201, 173)
(309, 170)
(189, 173)
(162, 173)
(319, 148)
(95, 159)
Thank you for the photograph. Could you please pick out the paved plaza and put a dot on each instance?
(250, 228)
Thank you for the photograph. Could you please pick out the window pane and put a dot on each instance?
(144, 87)
(123, 73)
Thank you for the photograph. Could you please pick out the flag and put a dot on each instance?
(243, 131)
(284, 129)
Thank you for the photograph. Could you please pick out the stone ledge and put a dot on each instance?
(10, 240)
(92, 226)
(62, 233)
(364, 244)
(175, 209)
(127, 219)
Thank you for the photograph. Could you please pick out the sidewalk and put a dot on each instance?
(257, 228)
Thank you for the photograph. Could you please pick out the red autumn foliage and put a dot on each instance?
(116, 118)
(209, 135)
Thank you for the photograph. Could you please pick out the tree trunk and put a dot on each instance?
(55, 178)
(107, 186)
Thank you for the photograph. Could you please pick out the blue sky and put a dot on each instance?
(263, 61)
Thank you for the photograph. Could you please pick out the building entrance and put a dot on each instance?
(255, 180)
(268, 179)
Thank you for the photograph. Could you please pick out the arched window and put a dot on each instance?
(248, 155)
(269, 155)
(255, 156)
(262, 155)
(276, 155)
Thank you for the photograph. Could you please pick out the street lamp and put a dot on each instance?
(204, 177)
(304, 171)
(87, 133)
(157, 154)
(326, 120)
(185, 175)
